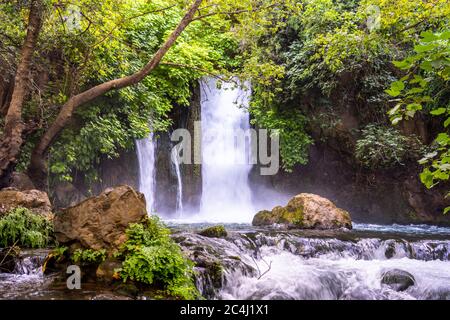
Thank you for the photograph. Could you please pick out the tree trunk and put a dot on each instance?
(38, 166)
(11, 141)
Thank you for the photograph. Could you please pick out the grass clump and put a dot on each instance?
(23, 228)
(150, 256)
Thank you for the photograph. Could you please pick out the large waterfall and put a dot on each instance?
(146, 158)
(226, 193)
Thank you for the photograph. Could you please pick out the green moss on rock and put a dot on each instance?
(306, 211)
(214, 232)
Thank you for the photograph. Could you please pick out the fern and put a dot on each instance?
(22, 227)
(152, 257)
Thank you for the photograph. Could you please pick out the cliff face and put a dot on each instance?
(371, 197)
(383, 195)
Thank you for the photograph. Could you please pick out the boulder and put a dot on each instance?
(21, 181)
(214, 232)
(106, 271)
(398, 280)
(35, 200)
(305, 211)
(99, 222)
(66, 195)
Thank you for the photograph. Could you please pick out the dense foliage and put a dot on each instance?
(87, 256)
(385, 147)
(425, 89)
(23, 228)
(313, 64)
(333, 59)
(152, 257)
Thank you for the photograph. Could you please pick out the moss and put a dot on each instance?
(292, 216)
(262, 218)
(215, 272)
(214, 232)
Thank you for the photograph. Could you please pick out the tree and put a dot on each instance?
(11, 141)
(38, 165)
(73, 100)
(426, 89)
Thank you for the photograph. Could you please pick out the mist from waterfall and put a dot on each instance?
(146, 157)
(226, 195)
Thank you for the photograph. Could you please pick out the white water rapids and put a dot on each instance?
(349, 266)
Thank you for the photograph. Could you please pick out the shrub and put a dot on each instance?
(89, 256)
(382, 147)
(23, 228)
(152, 257)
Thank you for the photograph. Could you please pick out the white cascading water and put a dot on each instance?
(226, 195)
(176, 164)
(293, 266)
(146, 157)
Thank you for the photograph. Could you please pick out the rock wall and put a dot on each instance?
(166, 178)
(395, 196)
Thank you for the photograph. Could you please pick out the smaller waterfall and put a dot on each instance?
(146, 158)
(176, 162)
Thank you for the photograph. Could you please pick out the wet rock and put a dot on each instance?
(308, 211)
(106, 271)
(398, 280)
(66, 195)
(214, 232)
(35, 200)
(214, 259)
(99, 222)
(8, 259)
(110, 296)
(128, 289)
(21, 181)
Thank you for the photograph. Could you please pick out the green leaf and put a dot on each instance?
(428, 36)
(425, 47)
(447, 122)
(438, 111)
(414, 107)
(427, 178)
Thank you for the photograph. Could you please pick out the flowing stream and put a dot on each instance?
(323, 265)
(269, 264)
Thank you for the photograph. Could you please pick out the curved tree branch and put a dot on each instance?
(37, 168)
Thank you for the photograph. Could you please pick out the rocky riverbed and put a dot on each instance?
(369, 262)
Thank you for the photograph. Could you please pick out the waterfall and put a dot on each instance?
(226, 195)
(176, 163)
(146, 158)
